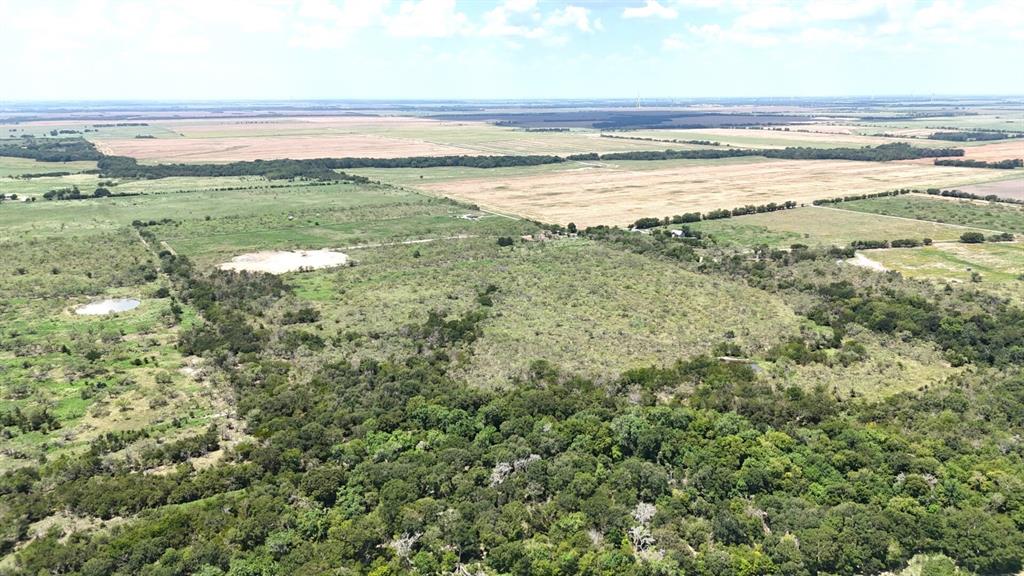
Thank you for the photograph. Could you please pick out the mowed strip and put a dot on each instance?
(591, 195)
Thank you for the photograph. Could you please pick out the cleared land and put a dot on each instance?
(999, 265)
(233, 149)
(993, 216)
(608, 194)
(18, 166)
(1002, 120)
(820, 225)
(771, 138)
(1004, 188)
(228, 140)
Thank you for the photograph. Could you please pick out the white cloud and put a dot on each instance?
(428, 19)
(713, 33)
(651, 9)
(574, 16)
(498, 22)
(674, 42)
(768, 18)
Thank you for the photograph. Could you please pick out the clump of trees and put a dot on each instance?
(50, 149)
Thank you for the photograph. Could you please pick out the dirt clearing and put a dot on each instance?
(282, 261)
(859, 259)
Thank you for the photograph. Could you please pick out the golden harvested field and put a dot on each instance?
(1007, 150)
(1004, 188)
(260, 148)
(233, 139)
(608, 194)
(743, 138)
(994, 152)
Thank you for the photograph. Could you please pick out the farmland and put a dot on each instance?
(817, 225)
(608, 194)
(344, 136)
(992, 216)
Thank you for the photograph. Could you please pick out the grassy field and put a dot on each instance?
(814, 225)
(997, 263)
(1002, 120)
(607, 193)
(90, 374)
(580, 305)
(980, 214)
(18, 166)
(89, 182)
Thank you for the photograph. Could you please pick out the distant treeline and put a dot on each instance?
(881, 153)
(651, 222)
(972, 196)
(670, 140)
(930, 192)
(972, 136)
(120, 124)
(40, 175)
(123, 167)
(326, 169)
(50, 149)
(1000, 165)
(854, 197)
(314, 169)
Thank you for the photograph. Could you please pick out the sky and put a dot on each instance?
(510, 49)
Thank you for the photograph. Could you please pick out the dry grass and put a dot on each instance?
(815, 136)
(233, 139)
(259, 148)
(590, 195)
(1004, 189)
(995, 152)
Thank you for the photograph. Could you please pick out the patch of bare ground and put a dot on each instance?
(282, 261)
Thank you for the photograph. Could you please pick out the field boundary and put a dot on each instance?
(961, 226)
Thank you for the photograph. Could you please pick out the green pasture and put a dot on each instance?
(993, 216)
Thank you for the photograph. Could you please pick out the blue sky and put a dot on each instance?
(432, 49)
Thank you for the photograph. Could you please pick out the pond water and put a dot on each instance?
(107, 306)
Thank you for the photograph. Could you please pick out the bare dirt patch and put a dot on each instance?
(282, 261)
(603, 195)
(859, 259)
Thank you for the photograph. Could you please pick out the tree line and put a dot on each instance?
(651, 222)
(998, 165)
(972, 135)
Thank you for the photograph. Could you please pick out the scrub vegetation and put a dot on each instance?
(470, 392)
